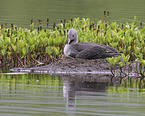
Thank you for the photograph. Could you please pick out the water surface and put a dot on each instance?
(35, 95)
(20, 12)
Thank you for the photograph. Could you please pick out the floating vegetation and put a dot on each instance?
(22, 47)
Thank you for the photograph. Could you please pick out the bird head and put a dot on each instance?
(72, 36)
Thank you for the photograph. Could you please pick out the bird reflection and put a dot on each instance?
(69, 94)
(74, 88)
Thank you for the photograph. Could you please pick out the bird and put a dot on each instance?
(87, 50)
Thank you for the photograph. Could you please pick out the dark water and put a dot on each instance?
(45, 95)
(20, 12)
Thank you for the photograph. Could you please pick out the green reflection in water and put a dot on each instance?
(32, 81)
(31, 94)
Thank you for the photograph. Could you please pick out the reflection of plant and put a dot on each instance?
(141, 70)
(124, 88)
(14, 81)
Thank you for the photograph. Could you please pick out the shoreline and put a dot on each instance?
(76, 66)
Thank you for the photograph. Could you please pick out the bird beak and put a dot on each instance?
(70, 41)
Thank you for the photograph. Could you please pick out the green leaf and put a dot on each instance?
(110, 60)
(48, 51)
(3, 52)
(32, 48)
(56, 51)
(9, 53)
(142, 62)
(117, 59)
(142, 30)
(114, 60)
(135, 20)
(121, 64)
(125, 58)
(1, 44)
(140, 56)
(13, 47)
(24, 51)
(32, 27)
(136, 50)
(7, 40)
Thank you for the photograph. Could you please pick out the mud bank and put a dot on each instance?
(76, 66)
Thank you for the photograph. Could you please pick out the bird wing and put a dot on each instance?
(93, 52)
(109, 49)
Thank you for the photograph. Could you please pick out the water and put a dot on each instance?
(46, 95)
(20, 12)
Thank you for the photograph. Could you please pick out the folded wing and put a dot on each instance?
(93, 52)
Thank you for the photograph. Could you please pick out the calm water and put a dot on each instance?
(20, 12)
(45, 95)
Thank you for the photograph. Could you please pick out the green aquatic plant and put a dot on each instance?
(125, 58)
(113, 61)
(22, 47)
(122, 61)
(121, 65)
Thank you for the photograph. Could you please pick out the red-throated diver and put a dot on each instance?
(87, 50)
